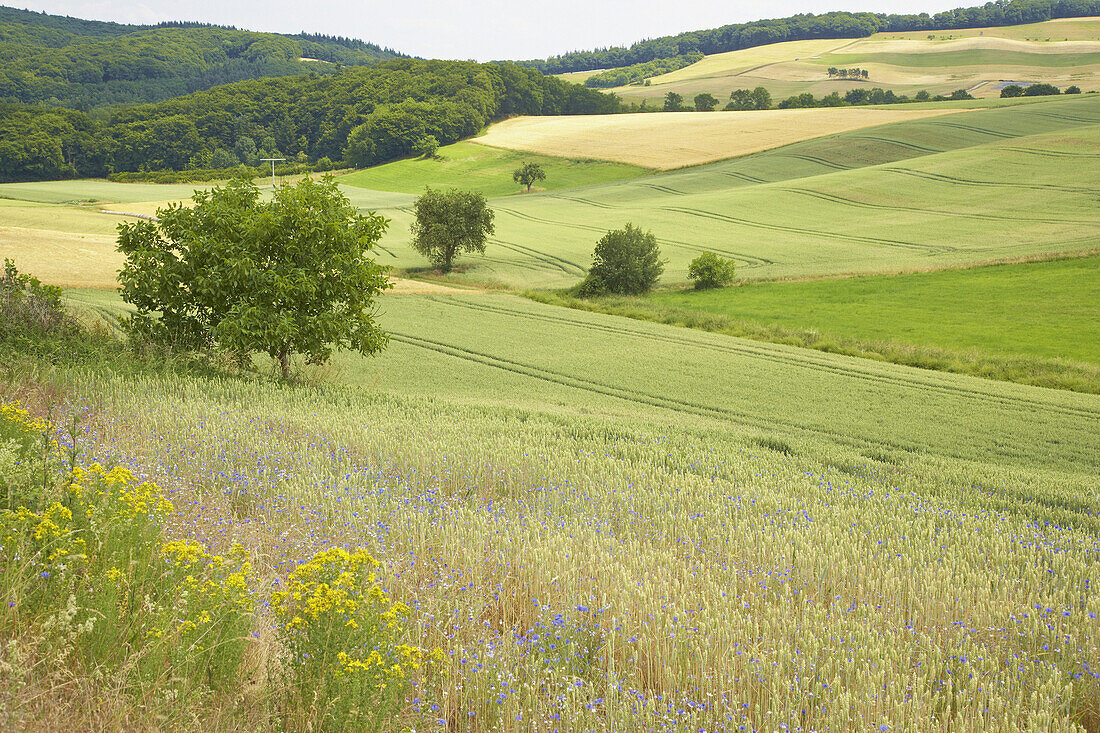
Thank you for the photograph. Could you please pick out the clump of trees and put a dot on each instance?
(853, 73)
(705, 102)
(637, 73)
(426, 147)
(708, 270)
(745, 99)
(1033, 90)
(449, 223)
(528, 174)
(625, 261)
(235, 273)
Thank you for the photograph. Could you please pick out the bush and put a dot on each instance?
(626, 261)
(1041, 90)
(1012, 90)
(426, 147)
(1072, 89)
(708, 270)
(346, 662)
(30, 311)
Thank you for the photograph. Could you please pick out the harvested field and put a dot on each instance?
(675, 140)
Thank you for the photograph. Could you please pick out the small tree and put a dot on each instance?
(673, 102)
(236, 273)
(1012, 90)
(527, 174)
(1073, 89)
(708, 270)
(426, 147)
(705, 102)
(450, 222)
(626, 261)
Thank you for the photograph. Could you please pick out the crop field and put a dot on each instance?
(1060, 52)
(763, 536)
(678, 139)
(486, 169)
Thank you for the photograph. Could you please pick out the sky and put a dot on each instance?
(483, 30)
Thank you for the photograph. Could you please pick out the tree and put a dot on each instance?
(527, 174)
(450, 222)
(243, 275)
(673, 102)
(1012, 90)
(1073, 89)
(626, 261)
(1041, 90)
(222, 158)
(708, 270)
(426, 147)
(705, 102)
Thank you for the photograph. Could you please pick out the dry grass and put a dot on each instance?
(675, 140)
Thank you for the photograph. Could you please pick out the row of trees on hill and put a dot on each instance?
(81, 64)
(761, 98)
(637, 73)
(362, 115)
(807, 26)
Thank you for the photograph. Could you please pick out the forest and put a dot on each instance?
(82, 64)
(808, 26)
(364, 115)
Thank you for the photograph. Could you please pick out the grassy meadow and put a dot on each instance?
(1047, 309)
(1061, 52)
(486, 169)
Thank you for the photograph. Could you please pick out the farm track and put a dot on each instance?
(802, 358)
(558, 262)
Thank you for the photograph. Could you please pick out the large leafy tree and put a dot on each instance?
(626, 261)
(289, 276)
(450, 222)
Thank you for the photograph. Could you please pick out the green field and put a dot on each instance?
(1046, 309)
(488, 170)
(912, 195)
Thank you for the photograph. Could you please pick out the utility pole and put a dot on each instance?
(272, 169)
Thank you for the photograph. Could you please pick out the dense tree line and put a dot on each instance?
(363, 115)
(85, 64)
(808, 26)
(637, 73)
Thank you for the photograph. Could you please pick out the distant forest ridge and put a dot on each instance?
(808, 26)
(82, 64)
(362, 115)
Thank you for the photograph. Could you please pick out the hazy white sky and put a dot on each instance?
(472, 29)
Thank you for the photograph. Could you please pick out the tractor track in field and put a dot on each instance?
(944, 178)
(978, 130)
(810, 360)
(834, 198)
(814, 159)
(567, 266)
(748, 260)
(640, 397)
(856, 238)
(1050, 153)
(899, 143)
(749, 349)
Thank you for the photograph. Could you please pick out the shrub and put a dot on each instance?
(1012, 90)
(346, 661)
(29, 310)
(426, 147)
(1041, 90)
(708, 270)
(626, 261)
(1072, 89)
